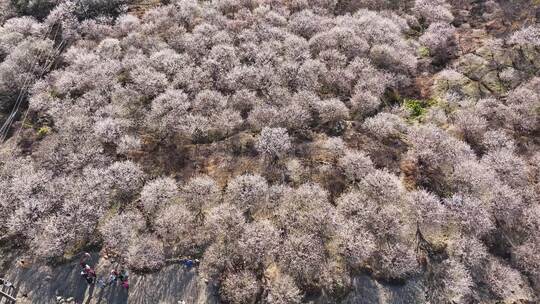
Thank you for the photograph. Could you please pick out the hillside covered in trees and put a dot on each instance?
(290, 145)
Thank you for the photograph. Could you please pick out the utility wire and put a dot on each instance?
(26, 85)
(4, 130)
(22, 91)
(51, 61)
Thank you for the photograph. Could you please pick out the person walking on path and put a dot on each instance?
(123, 276)
(84, 274)
(85, 257)
(89, 274)
(113, 277)
(125, 284)
(100, 283)
(188, 263)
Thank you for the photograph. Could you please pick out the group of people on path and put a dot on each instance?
(89, 274)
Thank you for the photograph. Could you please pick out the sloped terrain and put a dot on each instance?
(330, 151)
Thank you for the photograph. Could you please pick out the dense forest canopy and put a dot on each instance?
(290, 145)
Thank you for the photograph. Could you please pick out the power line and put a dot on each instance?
(7, 124)
(4, 130)
(26, 85)
(57, 52)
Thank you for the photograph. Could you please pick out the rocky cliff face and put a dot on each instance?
(490, 65)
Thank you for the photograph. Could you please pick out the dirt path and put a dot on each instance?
(63, 284)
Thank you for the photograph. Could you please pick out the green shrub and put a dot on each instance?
(43, 131)
(424, 51)
(417, 107)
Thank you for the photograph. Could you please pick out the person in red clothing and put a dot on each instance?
(89, 274)
(123, 276)
(83, 259)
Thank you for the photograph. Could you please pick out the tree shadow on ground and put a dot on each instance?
(44, 283)
(366, 290)
(170, 285)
